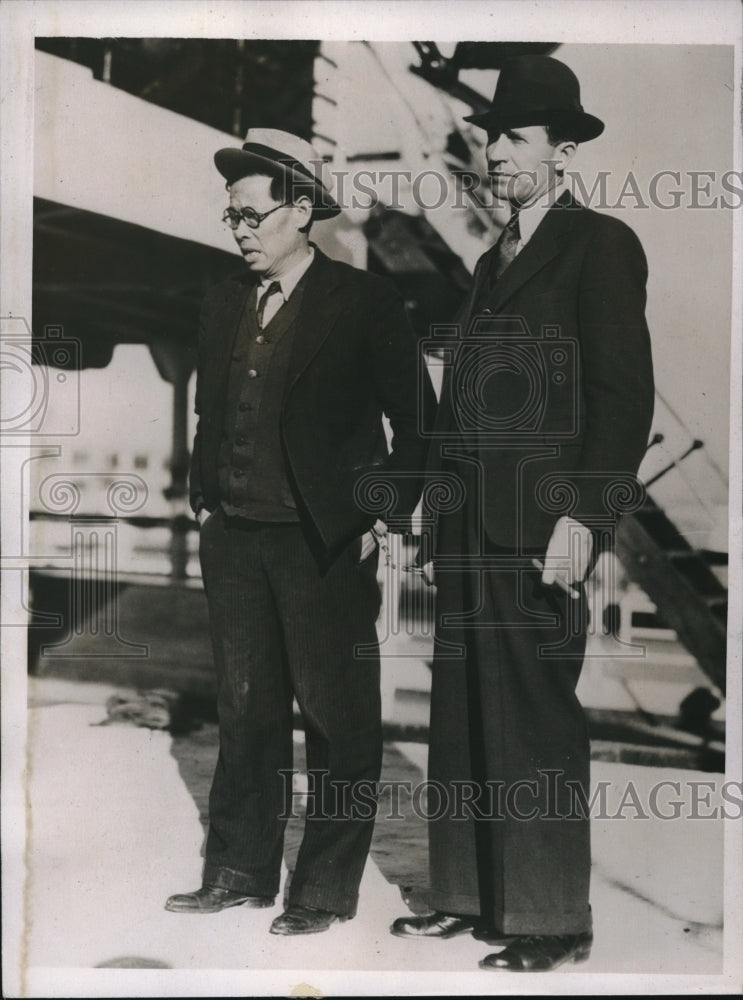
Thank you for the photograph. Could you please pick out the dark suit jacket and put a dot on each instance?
(354, 357)
(557, 375)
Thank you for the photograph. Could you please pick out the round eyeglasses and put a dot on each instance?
(251, 218)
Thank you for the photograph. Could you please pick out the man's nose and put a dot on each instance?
(496, 150)
(243, 230)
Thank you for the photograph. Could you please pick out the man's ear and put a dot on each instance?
(564, 153)
(303, 211)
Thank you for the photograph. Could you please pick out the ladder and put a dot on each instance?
(689, 596)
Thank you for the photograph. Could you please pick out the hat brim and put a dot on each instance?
(236, 163)
(579, 125)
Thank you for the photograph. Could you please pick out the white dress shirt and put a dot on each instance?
(287, 282)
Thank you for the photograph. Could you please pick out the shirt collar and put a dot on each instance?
(532, 215)
(289, 281)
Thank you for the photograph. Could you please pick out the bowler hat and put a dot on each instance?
(538, 90)
(276, 153)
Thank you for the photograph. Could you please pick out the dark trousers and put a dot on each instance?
(508, 741)
(282, 630)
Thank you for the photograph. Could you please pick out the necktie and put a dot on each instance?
(505, 248)
(273, 289)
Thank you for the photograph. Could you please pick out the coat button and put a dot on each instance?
(241, 440)
(245, 406)
(238, 473)
(260, 339)
(252, 373)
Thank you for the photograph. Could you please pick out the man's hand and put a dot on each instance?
(568, 555)
(422, 569)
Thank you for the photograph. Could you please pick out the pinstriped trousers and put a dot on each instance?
(281, 630)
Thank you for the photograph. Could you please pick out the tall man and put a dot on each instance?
(542, 423)
(298, 360)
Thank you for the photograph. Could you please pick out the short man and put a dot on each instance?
(543, 420)
(298, 361)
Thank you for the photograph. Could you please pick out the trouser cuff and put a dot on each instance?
(322, 898)
(251, 885)
(530, 922)
(455, 903)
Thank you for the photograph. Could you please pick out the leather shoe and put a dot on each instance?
(540, 953)
(304, 920)
(436, 925)
(212, 899)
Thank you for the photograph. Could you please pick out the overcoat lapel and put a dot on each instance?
(322, 303)
(222, 332)
(544, 245)
(444, 421)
